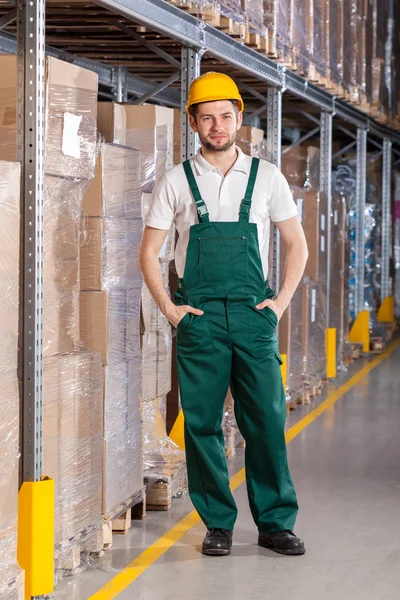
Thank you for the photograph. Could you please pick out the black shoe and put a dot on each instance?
(284, 542)
(218, 542)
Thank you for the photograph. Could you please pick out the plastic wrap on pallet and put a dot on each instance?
(110, 322)
(109, 252)
(9, 263)
(122, 443)
(316, 22)
(351, 49)
(14, 589)
(156, 364)
(146, 128)
(115, 191)
(70, 115)
(335, 42)
(72, 445)
(232, 9)
(277, 20)
(153, 319)
(229, 425)
(396, 245)
(254, 12)
(163, 459)
(313, 333)
(10, 573)
(300, 166)
(62, 214)
(345, 183)
(339, 260)
(298, 37)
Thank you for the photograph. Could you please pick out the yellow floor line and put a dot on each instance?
(131, 572)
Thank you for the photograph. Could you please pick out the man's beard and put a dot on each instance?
(210, 146)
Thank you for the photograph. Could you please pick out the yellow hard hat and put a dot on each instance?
(211, 87)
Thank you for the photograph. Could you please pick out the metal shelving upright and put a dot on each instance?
(196, 38)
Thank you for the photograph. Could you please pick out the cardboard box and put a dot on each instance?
(62, 214)
(300, 166)
(149, 129)
(123, 435)
(70, 114)
(115, 190)
(250, 140)
(110, 323)
(111, 122)
(109, 255)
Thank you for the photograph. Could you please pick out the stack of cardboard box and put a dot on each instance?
(110, 293)
(11, 576)
(71, 377)
(302, 327)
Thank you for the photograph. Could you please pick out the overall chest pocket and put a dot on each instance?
(223, 259)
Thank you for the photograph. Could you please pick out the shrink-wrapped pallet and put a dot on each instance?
(11, 576)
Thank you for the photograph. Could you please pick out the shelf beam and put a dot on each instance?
(30, 144)
(190, 61)
(386, 219)
(361, 190)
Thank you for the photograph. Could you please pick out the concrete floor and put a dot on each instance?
(346, 468)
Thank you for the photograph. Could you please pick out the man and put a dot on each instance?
(222, 202)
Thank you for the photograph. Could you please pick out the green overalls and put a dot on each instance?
(231, 344)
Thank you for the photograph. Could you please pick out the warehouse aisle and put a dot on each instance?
(346, 469)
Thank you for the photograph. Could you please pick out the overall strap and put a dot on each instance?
(244, 212)
(200, 204)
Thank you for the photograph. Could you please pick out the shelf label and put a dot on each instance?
(71, 141)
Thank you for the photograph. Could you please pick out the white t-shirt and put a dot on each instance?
(172, 201)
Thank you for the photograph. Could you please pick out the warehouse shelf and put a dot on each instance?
(174, 46)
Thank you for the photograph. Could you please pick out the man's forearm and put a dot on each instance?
(152, 275)
(296, 260)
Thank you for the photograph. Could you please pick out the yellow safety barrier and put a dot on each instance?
(177, 431)
(330, 342)
(36, 536)
(386, 310)
(359, 333)
(284, 370)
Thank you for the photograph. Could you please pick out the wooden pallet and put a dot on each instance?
(68, 555)
(170, 481)
(119, 520)
(206, 12)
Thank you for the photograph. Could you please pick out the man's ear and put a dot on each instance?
(193, 123)
(239, 121)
